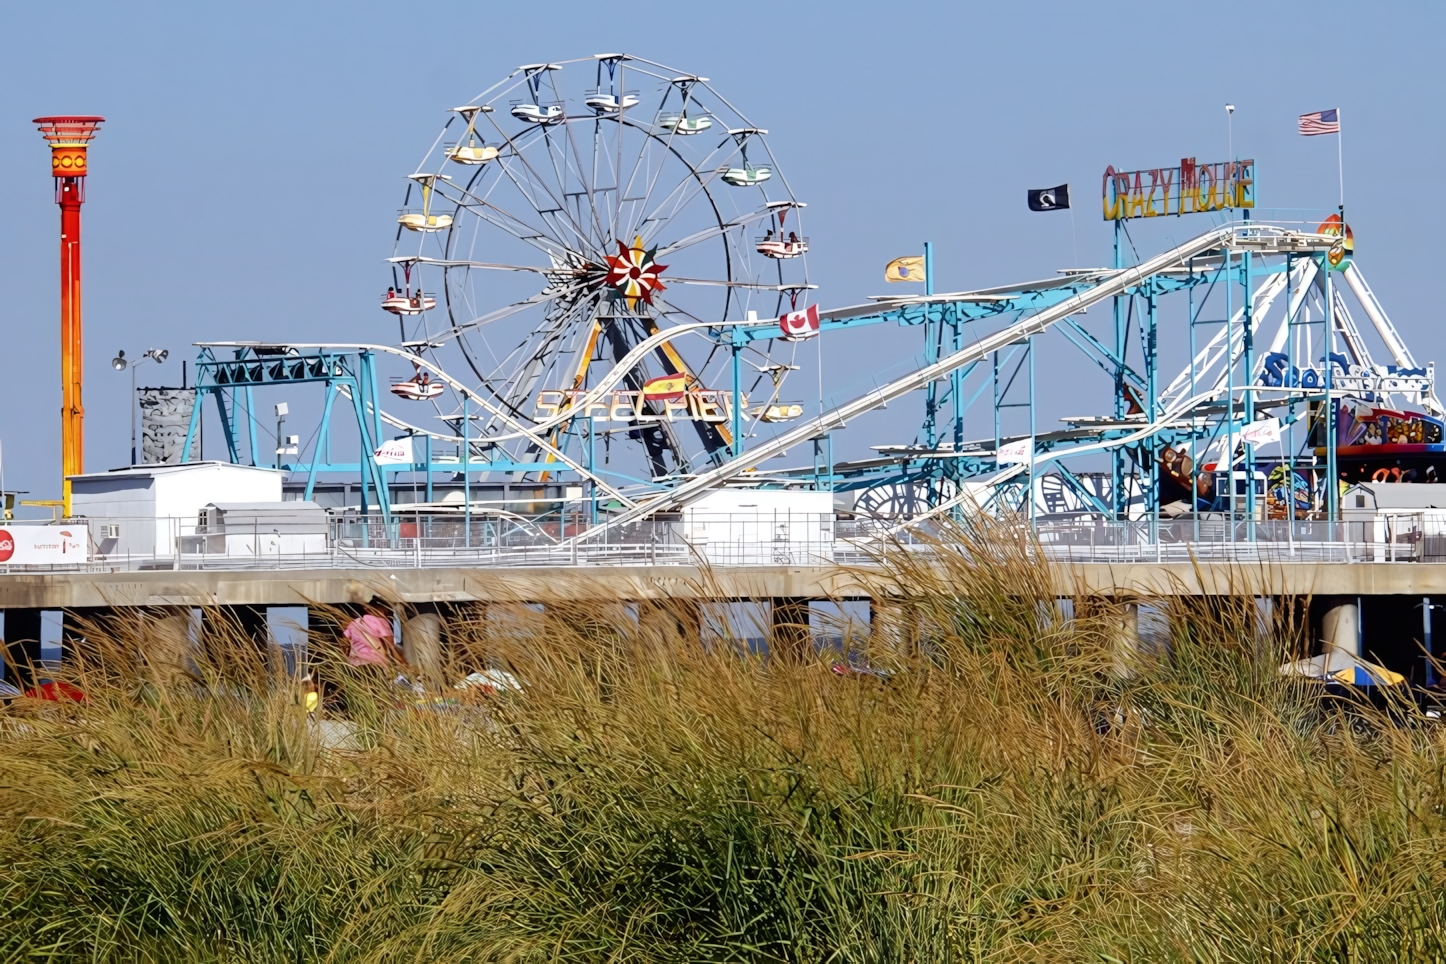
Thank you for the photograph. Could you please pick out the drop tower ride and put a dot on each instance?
(69, 137)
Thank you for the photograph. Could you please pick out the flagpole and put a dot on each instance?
(1341, 171)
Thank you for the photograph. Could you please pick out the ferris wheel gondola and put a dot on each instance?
(400, 299)
(418, 388)
(470, 152)
(629, 222)
(781, 246)
(424, 221)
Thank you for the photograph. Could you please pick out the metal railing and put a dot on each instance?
(444, 540)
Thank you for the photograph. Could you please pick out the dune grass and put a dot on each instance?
(1021, 785)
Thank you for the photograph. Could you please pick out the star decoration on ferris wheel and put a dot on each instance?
(634, 272)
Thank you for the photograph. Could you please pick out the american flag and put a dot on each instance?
(1321, 122)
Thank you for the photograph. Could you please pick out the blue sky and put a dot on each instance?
(246, 182)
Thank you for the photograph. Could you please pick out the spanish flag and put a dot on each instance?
(665, 388)
(905, 269)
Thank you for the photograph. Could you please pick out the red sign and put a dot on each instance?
(798, 325)
(7, 546)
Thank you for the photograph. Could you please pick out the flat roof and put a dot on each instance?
(147, 471)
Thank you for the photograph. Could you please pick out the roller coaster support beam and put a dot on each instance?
(1117, 283)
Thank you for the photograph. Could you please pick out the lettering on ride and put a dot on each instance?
(1277, 371)
(695, 405)
(1190, 188)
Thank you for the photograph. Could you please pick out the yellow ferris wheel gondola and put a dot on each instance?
(471, 152)
(424, 220)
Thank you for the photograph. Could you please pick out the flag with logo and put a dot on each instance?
(1015, 452)
(798, 325)
(905, 269)
(1263, 432)
(1049, 198)
(396, 452)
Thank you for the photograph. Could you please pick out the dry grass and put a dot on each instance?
(1019, 788)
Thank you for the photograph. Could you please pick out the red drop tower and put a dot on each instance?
(69, 137)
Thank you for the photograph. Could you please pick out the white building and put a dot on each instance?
(731, 527)
(144, 510)
(257, 530)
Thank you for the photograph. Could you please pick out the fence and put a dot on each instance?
(733, 539)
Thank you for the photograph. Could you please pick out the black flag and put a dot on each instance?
(1049, 198)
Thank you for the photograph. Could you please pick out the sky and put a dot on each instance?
(246, 181)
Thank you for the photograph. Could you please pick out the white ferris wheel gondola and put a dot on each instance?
(418, 388)
(678, 122)
(779, 243)
(610, 103)
(749, 176)
(538, 113)
(745, 174)
(399, 303)
(682, 124)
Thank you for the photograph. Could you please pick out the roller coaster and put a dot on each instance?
(650, 339)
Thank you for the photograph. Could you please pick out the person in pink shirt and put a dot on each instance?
(371, 642)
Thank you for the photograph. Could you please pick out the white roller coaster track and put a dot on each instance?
(1117, 283)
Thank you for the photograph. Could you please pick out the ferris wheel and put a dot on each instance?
(573, 210)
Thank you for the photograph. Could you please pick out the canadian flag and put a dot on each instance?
(798, 325)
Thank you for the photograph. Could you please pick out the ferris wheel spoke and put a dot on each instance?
(530, 168)
(672, 309)
(668, 145)
(541, 207)
(498, 315)
(542, 357)
(588, 188)
(744, 285)
(709, 233)
(686, 191)
(549, 141)
(445, 263)
(505, 220)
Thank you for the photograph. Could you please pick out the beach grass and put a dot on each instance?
(1014, 778)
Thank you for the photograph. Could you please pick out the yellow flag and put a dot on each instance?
(905, 269)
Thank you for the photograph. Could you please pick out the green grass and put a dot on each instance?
(1021, 788)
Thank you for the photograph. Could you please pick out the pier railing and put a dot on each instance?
(733, 539)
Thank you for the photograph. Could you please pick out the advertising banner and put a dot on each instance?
(55, 545)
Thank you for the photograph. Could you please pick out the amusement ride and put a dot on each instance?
(598, 290)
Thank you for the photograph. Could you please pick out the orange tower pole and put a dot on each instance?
(69, 137)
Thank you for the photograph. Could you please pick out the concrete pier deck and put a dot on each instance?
(67, 590)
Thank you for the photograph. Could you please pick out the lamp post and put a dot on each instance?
(120, 364)
(69, 137)
(282, 410)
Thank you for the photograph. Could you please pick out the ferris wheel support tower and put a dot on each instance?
(69, 137)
